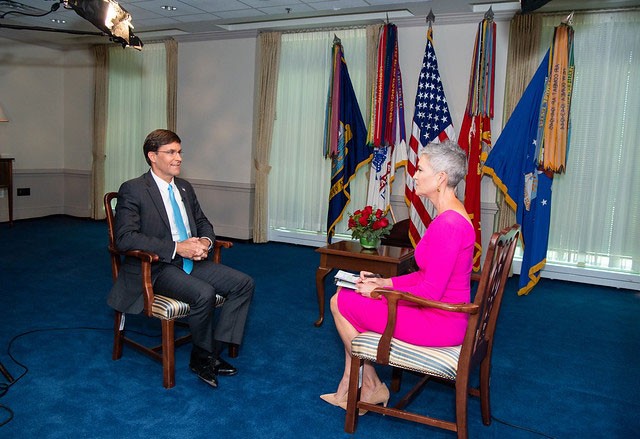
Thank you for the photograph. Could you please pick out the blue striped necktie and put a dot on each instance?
(187, 264)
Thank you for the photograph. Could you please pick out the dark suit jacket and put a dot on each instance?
(142, 223)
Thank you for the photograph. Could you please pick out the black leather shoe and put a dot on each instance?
(221, 367)
(205, 371)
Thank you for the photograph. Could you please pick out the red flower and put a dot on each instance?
(367, 223)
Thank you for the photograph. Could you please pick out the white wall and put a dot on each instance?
(215, 108)
(215, 123)
(31, 92)
(78, 109)
(47, 95)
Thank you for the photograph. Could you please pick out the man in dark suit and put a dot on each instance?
(159, 212)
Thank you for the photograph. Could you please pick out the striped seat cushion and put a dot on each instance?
(167, 308)
(440, 362)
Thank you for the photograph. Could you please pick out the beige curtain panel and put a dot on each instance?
(171, 48)
(99, 131)
(522, 62)
(269, 60)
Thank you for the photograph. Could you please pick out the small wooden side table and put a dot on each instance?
(350, 255)
(6, 181)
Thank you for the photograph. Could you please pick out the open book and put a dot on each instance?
(346, 279)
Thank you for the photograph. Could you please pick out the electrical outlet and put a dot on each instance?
(24, 191)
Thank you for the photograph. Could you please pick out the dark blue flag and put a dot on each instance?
(349, 135)
(513, 165)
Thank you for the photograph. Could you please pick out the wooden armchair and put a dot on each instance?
(168, 310)
(449, 364)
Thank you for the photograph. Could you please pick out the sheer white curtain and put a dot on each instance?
(137, 104)
(595, 210)
(300, 176)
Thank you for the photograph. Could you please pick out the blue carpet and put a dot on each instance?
(564, 364)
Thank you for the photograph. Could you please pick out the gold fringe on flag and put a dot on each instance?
(554, 132)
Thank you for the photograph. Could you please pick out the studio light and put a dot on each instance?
(109, 17)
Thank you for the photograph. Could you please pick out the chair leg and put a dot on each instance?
(168, 354)
(485, 393)
(233, 350)
(396, 379)
(118, 335)
(462, 397)
(351, 418)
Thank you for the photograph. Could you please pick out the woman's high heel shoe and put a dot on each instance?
(332, 398)
(379, 396)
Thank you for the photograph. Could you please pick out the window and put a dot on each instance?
(300, 176)
(595, 219)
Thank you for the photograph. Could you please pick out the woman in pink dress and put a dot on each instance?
(444, 257)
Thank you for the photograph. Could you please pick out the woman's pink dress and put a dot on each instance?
(444, 256)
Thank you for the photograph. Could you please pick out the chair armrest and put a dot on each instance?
(142, 255)
(146, 259)
(393, 296)
(218, 245)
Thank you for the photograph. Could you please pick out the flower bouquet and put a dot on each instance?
(369, 226)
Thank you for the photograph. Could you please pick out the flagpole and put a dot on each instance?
(393, 217)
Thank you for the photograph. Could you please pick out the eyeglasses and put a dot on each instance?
(172, 152)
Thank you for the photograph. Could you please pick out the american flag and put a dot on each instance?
(431, 124)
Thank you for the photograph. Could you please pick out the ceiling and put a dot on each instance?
(154, 19)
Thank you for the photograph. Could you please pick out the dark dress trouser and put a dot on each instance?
(199, 290)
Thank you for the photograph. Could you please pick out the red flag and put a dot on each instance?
(431, 124)
(475, 137)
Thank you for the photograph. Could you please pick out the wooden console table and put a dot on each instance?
(6, 181)
(349, 255)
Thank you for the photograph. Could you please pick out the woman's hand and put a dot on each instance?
(369, 282)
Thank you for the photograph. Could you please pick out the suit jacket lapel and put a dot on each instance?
(156, 197)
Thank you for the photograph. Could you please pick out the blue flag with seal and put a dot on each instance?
(513, 165)
(345, 138)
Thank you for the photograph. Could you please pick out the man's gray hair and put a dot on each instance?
(447, 157)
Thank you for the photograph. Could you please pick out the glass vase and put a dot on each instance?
(369, 243)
